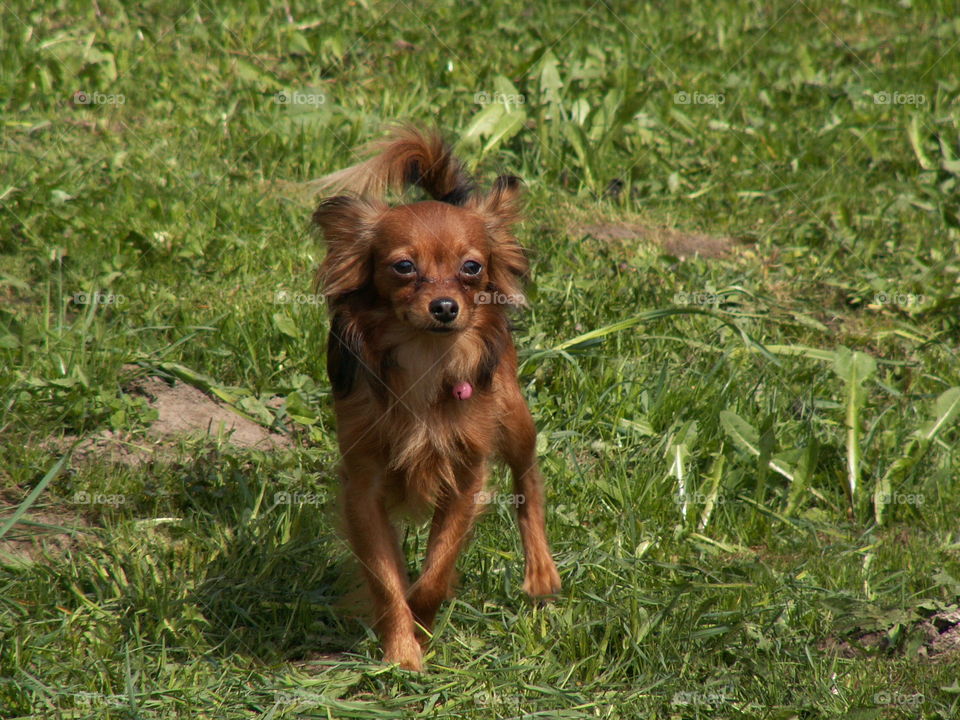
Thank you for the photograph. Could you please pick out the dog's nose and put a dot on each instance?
(444, 309)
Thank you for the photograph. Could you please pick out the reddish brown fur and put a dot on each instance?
(405, 439)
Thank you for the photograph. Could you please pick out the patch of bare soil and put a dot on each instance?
(939, 635)
(183, 411)
(675, 242)
(38, 533)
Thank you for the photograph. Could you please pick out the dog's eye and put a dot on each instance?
(404, 267)
(471, 267)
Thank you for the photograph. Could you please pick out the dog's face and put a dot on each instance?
(430, 265)
(438, 267)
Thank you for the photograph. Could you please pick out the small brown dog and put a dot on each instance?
(424, 371)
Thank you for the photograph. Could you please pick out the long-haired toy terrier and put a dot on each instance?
(424, 371)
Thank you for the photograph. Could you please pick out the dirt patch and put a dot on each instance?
(38, 533)
(936, 638)
(183, 412)
(675, 242)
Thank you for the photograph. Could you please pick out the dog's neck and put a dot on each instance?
(426, 368)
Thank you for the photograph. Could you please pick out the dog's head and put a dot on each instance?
(438, 266)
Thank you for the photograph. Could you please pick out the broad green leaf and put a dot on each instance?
(747, 437)
(641, 426)
(740, 431)
(506, 92)
(803, 351)
(550, 82)
(285, 324)
(580, 111)
(946, 409)
(507, 126)
(854, 368)
(300, 410)
(483, 123)
(298, 42)
(255, 408)
(188, 375)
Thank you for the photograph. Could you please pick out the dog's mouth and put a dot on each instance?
(442, 330)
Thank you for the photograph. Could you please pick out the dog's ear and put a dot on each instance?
(500, 210)
(347, 225)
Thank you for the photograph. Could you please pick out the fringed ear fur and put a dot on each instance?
(500, 210)
(347, 225)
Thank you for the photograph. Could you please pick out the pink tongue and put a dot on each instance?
(462, 390)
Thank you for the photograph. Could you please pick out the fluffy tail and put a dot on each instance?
(407, 157)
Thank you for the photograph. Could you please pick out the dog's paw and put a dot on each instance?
(404, 651)
(541, 580)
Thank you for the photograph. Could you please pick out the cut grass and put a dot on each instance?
(701, 418)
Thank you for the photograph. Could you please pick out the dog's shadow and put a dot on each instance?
(279, 580)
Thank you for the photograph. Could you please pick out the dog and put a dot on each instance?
(424, 371)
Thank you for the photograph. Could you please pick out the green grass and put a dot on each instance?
(746, 457)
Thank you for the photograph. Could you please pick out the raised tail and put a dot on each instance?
(406, 157)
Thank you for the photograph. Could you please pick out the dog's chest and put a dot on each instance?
(432, 433)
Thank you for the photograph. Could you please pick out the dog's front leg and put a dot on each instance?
(374, 542)
(452, 520)
(519, 449)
